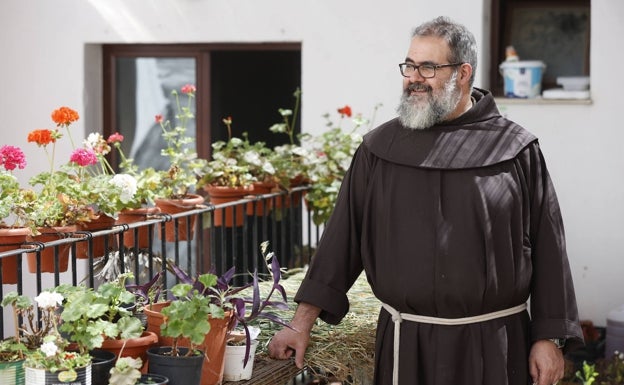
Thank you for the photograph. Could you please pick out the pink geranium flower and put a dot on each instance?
(115, 138)
(12, 157)
(188, 89)
(83, 157)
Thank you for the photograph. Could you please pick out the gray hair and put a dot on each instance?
(459, 39)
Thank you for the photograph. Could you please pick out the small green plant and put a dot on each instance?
(89, 316)
(187, 315)
(127, 371)
(37, 339)
(182, 175)
(13, 349)
(588, 375)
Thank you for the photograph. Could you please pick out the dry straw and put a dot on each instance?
(344, 351)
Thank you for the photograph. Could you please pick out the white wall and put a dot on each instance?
(350, 51)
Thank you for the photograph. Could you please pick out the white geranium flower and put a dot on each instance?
(92, 140)
(49, 349)
(268, 168)
(127, 184)
(252, 157)
(48, 299)
(96, 142)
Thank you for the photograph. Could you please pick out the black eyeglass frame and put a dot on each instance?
(434, 67)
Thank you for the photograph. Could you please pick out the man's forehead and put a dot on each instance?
(428, 49)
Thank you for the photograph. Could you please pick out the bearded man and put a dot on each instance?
(451, 212)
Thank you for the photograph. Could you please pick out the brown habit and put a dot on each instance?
(453, 221)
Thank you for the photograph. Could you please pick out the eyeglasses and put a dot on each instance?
(427, 71)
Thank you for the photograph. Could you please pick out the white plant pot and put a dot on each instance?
(233, 365)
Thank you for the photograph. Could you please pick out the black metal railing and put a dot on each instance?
(285, 223)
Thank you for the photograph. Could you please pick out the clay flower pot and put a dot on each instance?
(11, 239)
(142, 214)
(175, 206)
(101, 246)
(49, 234)
(134, 347)
(229, 216)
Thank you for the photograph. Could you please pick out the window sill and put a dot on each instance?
(540, 101)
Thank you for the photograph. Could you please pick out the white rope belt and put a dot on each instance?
(397, 318)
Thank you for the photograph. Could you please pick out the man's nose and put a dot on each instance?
(415, 77)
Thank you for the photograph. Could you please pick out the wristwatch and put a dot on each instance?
(560, 342)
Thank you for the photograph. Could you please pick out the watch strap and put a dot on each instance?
(560, 342)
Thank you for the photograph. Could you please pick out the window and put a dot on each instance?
(554, 31)
(248, 82)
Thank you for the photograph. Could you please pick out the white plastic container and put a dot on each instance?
(523, 79)
(574, 83)
(234, 370)
(615, 332)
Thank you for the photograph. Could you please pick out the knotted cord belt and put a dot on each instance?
(397, 318)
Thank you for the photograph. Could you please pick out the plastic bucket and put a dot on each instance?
(523, 79)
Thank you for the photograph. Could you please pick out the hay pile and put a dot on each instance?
(345, 351)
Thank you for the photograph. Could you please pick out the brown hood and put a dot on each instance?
(478, 138)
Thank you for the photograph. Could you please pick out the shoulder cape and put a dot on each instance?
(480, 137)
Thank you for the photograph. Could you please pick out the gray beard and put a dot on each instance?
(418, 115)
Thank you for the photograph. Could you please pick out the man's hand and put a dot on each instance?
(288, 341)
(546, 363)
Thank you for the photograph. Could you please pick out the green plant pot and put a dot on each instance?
(12, 373)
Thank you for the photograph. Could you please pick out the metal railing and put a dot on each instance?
(285, 223)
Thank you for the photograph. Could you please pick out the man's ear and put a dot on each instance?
(465, 73)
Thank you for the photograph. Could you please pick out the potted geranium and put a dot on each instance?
(291, 160)
(13, 350)
(246, 304)
(333, 151)
(84, 192)
(13, 230)
(140, 207)
(47, 360)
(175, 192)
(186, 324)
(104, 318)
(238, 169)
(218, 318)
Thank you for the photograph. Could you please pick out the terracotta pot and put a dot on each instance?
(11, 239)
(262, 207)
(213, 345)
(142, 214)
(224, 194)
(175, 206)
(135, 347)
(295, 198)
(49, 234)
(103, 222)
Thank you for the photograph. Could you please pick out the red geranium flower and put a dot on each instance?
(43, 137)
(159, 118)
(346, 110)
(12, 157)
(64, 116)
